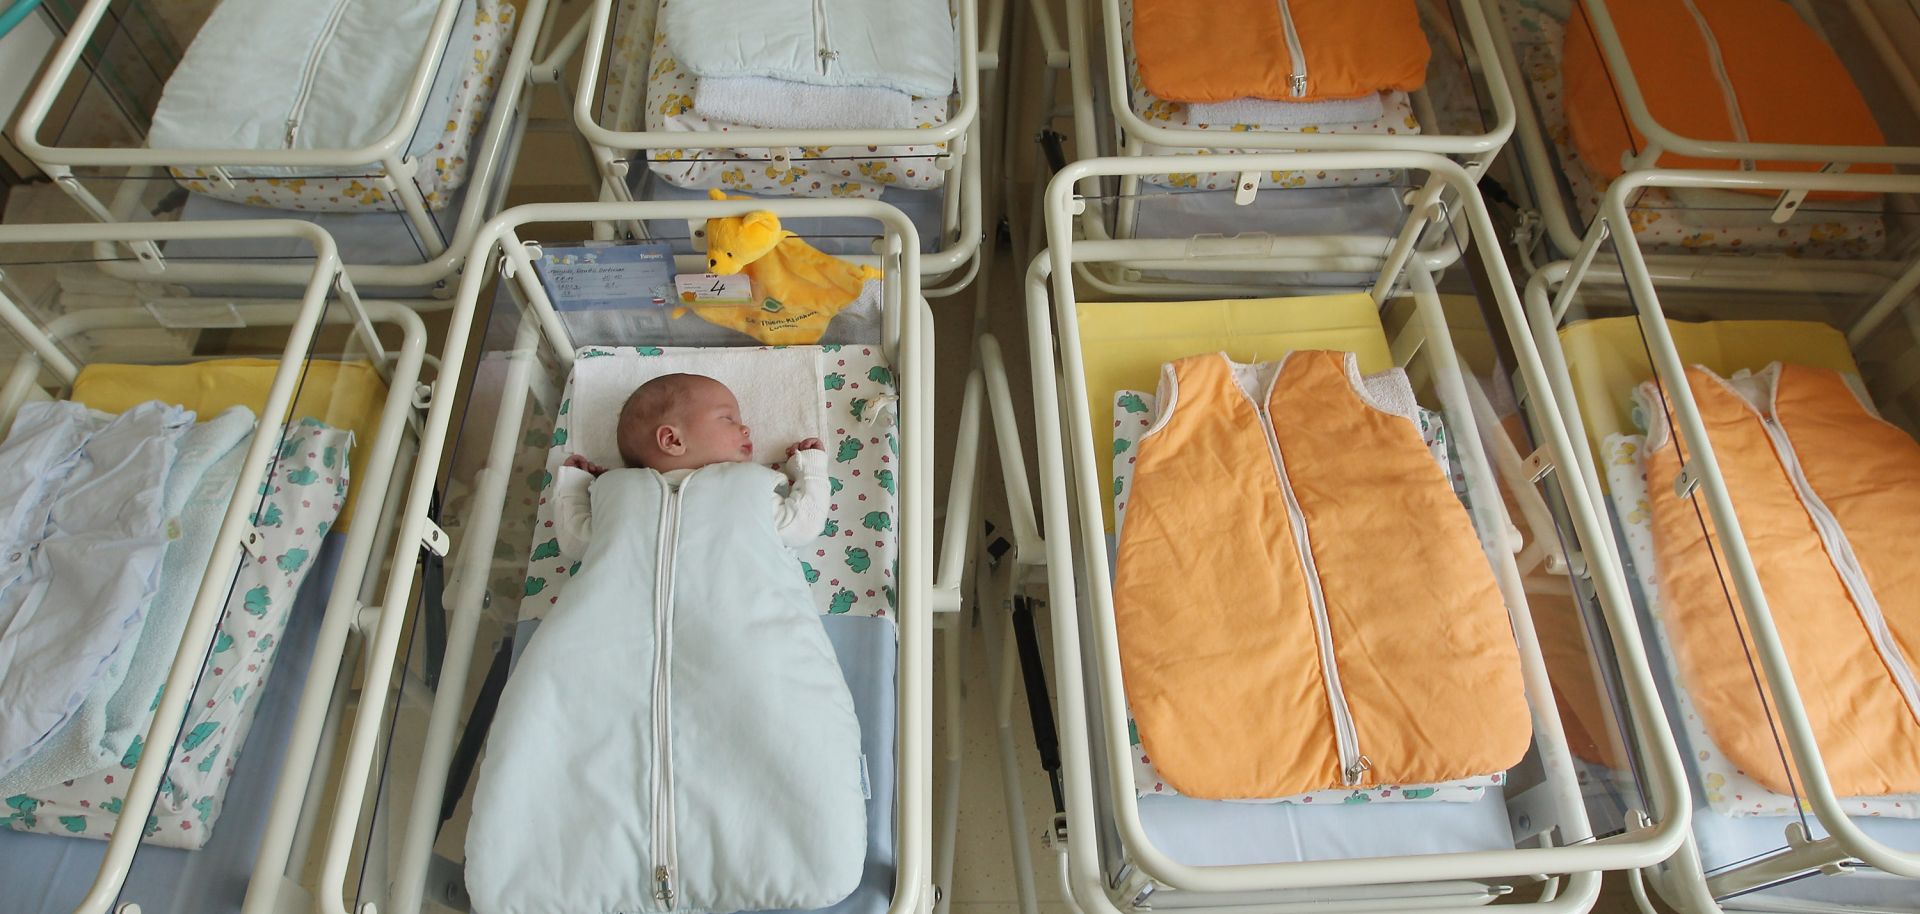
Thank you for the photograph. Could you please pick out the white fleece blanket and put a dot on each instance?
(1262, 112)
(678, 735)
(906, 45)
(757, 101)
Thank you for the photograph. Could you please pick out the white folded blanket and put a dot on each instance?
(117, 709)
(1262, 112)
(906, 45)
(757, 101)
(83, 530)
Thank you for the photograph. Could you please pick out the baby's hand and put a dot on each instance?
(810, 444)
(581, 463)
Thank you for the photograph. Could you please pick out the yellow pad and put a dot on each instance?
(341, 394)
(1607, 360)
(1123, 344)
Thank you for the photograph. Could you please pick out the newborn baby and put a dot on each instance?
(683, 689)
(676, 424)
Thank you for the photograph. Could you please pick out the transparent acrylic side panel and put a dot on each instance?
(1549, 814)
(109, 102)
(204, 367)
(1707, 221)
(1586, 783)
(1748, 797)
(474, 609)
(642, 94)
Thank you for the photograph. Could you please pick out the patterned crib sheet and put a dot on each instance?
(1729, 790)
(482, 49)
(1663, 222)
(854, 563)
(1398, 119)
(663, 101)
(304, 498)
(1133, 413)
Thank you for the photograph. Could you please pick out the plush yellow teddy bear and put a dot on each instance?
(797, 289)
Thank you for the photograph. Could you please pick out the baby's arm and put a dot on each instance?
(802, 512)
(572, 506)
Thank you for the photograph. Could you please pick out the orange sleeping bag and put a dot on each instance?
(1301, 601)
(1819, 486)
(1221, 50)
(1773, 73)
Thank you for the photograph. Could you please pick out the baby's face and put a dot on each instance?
(711, 428)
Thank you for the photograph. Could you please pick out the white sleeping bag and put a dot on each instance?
(678, 736)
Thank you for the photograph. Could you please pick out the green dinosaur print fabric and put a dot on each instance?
(851, 566)
(300, 503)
(1133, 414)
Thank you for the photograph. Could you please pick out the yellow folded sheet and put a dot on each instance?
(341, 394)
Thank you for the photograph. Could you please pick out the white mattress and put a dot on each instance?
(1215, 833)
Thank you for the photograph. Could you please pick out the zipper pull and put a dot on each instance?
(1360, 766)
(1297, 83)
(663, 886)
(293, 129)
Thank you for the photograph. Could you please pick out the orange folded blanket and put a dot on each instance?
(1714, 70)
(1285, 50)
(1828, 497)
(1301, 601)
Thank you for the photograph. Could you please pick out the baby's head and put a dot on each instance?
(681, 422)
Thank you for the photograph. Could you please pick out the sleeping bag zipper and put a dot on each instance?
(665, 850)
(1729, 96)
(822, 50)
(1845, 562)
(320, 42)
(1353, 765)
(1296, 83)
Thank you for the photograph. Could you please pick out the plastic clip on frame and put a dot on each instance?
(1077, 566)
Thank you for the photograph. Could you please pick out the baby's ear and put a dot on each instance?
(668, 439)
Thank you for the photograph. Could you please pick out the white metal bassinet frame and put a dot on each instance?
(1121, 131)
(494, 154)
(961, 221)
(400, 367)
(1076, 567)
(907, 341)
(1536, 158)
(1686, 885)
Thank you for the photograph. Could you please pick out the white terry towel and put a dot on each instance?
(1262, 112)
(907, 45)
(779, 390)
(120, 704)
(756, 101)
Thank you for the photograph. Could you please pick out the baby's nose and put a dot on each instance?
(746, 431)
